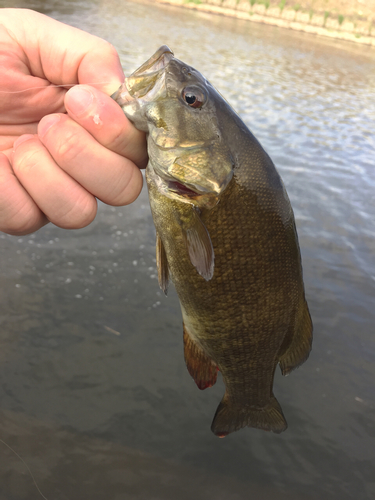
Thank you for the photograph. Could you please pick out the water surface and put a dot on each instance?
(94, 393)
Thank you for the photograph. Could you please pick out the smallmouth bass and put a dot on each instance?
(226, 235)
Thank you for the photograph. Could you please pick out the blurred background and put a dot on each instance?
(94, 393)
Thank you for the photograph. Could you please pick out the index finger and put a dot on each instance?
(104, 119)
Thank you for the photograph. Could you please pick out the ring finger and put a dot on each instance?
(61, 198)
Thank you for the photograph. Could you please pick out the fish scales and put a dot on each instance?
(226, 235)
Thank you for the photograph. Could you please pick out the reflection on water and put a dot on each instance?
(94, 392)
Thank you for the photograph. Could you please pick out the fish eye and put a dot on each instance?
(194, 97)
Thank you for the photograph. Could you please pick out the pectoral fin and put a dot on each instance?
(199, 245)
(199, 365)
(162, 265)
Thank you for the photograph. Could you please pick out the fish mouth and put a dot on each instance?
(146, 80)
(156, 62)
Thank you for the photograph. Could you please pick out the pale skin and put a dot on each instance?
(61, 149)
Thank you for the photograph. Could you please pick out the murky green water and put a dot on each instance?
(94, 394)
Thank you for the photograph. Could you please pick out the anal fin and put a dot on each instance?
(199, 365)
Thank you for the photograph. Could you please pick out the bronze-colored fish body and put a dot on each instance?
(226, 235)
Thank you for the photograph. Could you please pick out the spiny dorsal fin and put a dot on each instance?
(162, 265)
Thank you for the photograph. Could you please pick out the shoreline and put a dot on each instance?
(284, 18)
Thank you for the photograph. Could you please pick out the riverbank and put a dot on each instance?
(352, 20)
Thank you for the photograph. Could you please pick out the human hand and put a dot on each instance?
(61, 149)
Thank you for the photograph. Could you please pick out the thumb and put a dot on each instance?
(101, 68)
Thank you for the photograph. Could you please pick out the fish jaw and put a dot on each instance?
(145, 85)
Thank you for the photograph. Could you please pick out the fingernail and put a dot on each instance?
(46, 123)
(78, 99)
(20, 140)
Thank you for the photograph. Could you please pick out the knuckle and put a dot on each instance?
(111, 49)
(129, 144)
(69, 147)
(19, 215)
(129, 189)
(119, 142)
(27, 161)
(79, 215)
(24, 221)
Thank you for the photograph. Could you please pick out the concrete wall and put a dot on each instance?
(352, 20)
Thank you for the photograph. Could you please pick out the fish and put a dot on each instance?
(225, 236)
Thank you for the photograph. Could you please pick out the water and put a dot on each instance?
(94, 393)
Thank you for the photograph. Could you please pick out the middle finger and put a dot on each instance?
(106, 174)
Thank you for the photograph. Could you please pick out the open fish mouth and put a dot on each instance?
(157, 61)
(146, 80)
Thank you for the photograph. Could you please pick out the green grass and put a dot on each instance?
(282, 5)
(266, 3)
(296, 7)
(341, 19)
(326, 16)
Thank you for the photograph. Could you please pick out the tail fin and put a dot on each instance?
(229, 418)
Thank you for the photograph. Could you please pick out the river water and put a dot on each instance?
(94, 394)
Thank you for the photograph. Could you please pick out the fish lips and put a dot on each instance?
(145, 83)
(156, 62)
